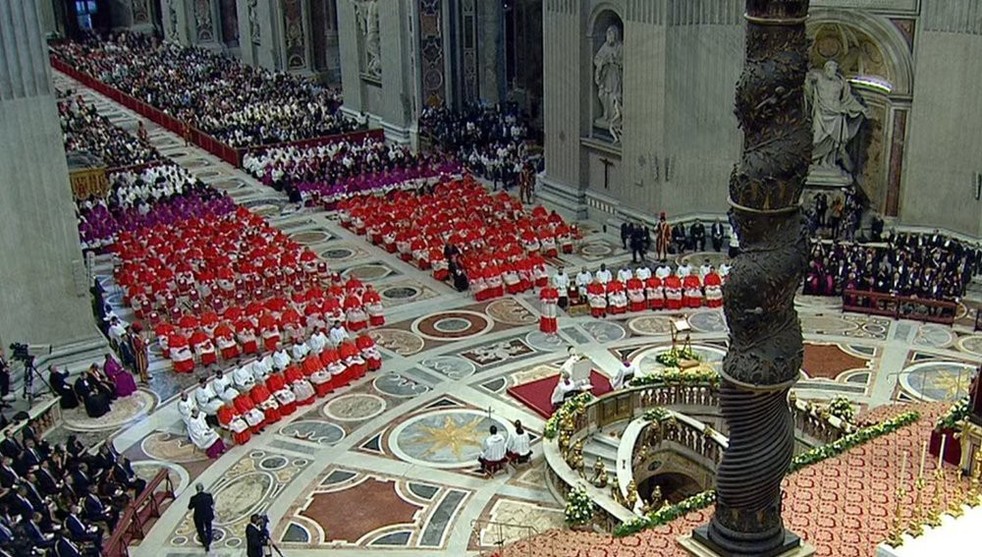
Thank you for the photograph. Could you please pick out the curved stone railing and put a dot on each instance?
(675, 430)
(679, 398)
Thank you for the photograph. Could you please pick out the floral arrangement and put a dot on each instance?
(579, 507)
(667, 514)
(656, 414)
(841, 408)
(679, 377)
(702, 500)
(860, 437)
(671, 358)
(954, 415)
(572, 408)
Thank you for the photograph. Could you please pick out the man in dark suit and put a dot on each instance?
(8, 476)
(716, 231)
(79, 531)
(9, 446)
(256, 536)
(204, 513)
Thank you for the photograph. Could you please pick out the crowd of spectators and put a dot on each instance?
(325, 173)
(147, 197)
(931, 266)
(239, 105)
(85, 130)
(60, 498)
(492, 141)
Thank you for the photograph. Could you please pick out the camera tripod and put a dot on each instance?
(30, 371)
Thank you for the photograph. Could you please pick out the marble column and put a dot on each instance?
(43, 282)
(491, 53)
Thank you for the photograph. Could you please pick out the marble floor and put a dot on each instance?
(389, 463)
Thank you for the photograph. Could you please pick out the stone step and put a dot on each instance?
(607, 439)
(592, 449)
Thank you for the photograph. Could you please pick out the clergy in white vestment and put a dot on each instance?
(317, 342)
(622, 377)
(222, 386)
(683, 270)
(493, 451)
(185, 407)
(243, 379)
(519, 445)
(704, 270)
(280, 358)
(663, 271)
(338, 334)
(300, 351)
(203, 436)
(643, 272)
(583, 280)
(604, 275)
(560, 281)
(260, 370)
(564, 389)
(625, 274)
(206, 399)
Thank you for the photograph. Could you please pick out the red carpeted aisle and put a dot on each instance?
(537, 394)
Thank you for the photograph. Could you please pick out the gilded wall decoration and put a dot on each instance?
(431, 51)
(203, 23)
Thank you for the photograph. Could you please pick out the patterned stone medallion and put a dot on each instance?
(369, 272)
(122, 412)
(452, 325)
(827, 324)
(401, 342)
(170, 447)
(515, 511)
(934, 336)
(545, 343)
(339, 254)
(196, 163)
(444, 438)
(403, 291)
(451, 366)
(508, 310)
(971, 344)
(147, 470)
(937, 381)
(595, 251)
(399, 386)
(708, 321)
(316, 431)
(498, 352)
(354, 407)
(650, 325)
(604, 331)
(248, 487)
(311, 237)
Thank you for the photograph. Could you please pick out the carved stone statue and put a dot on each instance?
(600, 478)
(366, 12)
(608, 75)
(255, 30)
(837, 115)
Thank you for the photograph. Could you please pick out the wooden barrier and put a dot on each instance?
(899, 307)
(135, 521)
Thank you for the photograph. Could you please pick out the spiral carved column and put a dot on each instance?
(765, 350)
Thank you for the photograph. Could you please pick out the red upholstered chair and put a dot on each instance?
(266, 402)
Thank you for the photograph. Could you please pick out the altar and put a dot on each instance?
(954, 537)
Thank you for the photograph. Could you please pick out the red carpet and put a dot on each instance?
(537, 394)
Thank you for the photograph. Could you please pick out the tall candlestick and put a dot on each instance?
(944, 439)
(903, 470)
(920, 473)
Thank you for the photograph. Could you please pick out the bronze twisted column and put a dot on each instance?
(765, 351)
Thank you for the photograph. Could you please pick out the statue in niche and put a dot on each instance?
(608, 75)
(255, 31)
(837, 115)
(366, 12)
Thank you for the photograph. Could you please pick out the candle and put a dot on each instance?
(944, 439)
(920, 473)
(903, 470)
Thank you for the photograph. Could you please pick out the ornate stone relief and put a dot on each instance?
(296, 41)
(172, 16)
(431, 51)
(141, 11)
(203, 20)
